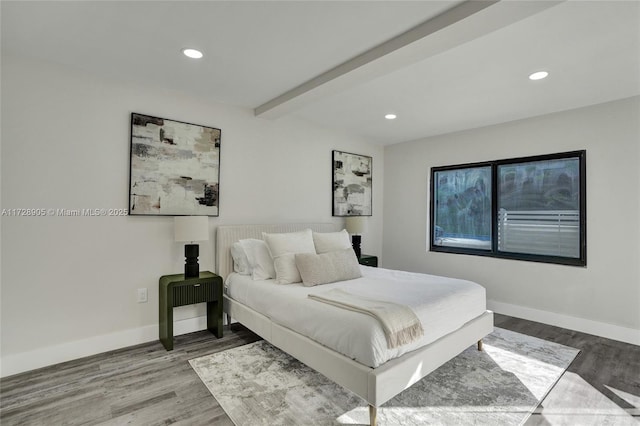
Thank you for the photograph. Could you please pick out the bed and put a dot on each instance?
(377, 376)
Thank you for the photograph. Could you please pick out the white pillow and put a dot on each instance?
(283, 248)
(331, 241)
(260, 260)
(240, 259)
(340, 265)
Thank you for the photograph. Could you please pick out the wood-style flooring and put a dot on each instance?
(601, 386)
(146, 385)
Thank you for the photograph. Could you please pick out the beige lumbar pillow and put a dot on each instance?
(339, 265)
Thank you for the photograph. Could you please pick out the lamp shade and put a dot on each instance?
(355, 224)
(191, 228)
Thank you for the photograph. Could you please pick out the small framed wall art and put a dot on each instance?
(352, 189)
(174, 167)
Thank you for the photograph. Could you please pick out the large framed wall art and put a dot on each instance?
(352, 189)
(175, 168)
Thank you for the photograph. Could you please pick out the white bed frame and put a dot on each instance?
(375, 385)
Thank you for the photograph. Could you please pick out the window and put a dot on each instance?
(530, 208)
(462, 213)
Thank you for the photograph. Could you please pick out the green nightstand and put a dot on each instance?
(368, 260)
(175, 291)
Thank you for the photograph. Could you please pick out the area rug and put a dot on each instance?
(258, 384)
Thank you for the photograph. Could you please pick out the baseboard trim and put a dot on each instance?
(50, 355)
(602, 329)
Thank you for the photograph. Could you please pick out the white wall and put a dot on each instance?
(69, 283)
(604, 297)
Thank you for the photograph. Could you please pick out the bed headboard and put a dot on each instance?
(226, 235)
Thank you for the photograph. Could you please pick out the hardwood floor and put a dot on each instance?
(140, 385)
(600, 387)
(146, 385)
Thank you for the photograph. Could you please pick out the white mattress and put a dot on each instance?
(442, 304)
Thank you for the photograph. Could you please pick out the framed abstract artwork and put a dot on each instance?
(352, 189)
(174, 168)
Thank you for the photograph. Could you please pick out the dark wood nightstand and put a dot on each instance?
(368, 260)
(175, 291)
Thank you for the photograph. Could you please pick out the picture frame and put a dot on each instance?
(352, 184)
(174, 167)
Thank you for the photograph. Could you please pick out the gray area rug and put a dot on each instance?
(258, 384)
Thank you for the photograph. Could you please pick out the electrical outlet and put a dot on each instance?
(142, 295)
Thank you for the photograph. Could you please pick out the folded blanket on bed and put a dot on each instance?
(399, 322)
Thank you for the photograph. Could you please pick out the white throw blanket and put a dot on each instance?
(399, 322)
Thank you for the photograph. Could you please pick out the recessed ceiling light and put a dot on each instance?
(538, 75)
(192, 53)
(390, 116)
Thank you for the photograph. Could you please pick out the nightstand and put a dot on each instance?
(175, 291)
(368, 260)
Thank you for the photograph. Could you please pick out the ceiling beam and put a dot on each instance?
(460, 24)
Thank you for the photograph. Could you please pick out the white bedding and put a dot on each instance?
(442, 304)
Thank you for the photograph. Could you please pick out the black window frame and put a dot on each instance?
(581, 260)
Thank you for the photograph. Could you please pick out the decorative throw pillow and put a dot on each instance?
(260, 260)
(283, 248)
(331, 241)
(340, 265)
(240, 259)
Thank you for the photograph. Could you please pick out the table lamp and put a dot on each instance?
(355, 226)
(191, 228)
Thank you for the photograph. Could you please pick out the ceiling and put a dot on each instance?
(441, 66)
